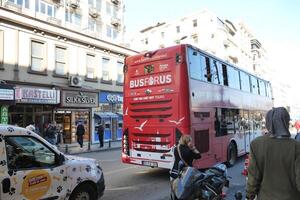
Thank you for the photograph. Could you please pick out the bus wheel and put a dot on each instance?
(231, 155)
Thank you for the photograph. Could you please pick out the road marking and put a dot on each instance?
(119, 170)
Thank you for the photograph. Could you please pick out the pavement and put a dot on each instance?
(75, 148)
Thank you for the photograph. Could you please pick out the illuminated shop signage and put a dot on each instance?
(79, 99)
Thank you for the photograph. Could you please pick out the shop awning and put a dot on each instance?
(105, 115)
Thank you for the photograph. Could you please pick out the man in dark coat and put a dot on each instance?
(51, 133)
(274, 168)
(80, 132)
(100, 133)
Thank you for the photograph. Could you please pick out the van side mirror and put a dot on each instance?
(6, 185)
(61, 159)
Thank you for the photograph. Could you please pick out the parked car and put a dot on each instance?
(31, 168)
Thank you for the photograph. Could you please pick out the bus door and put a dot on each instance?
(239, 131)
(247, 129)
(202, 133)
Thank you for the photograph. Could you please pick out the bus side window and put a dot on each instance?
(226, 121)
(254, 85)
(216, 72)
(233, 77)
(208, 70)
(225, 76)
(262, 87)
(195, 65)
(268, 88)
(245, 81)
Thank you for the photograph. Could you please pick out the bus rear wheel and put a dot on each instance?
(231, 155)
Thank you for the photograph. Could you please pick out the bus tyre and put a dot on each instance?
(231, 155)
(84, 191)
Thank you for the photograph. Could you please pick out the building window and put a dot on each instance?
(146, 41)
(73, 18)
(162, 34)
(95, 4)
(195, 39)
(22, 3)
(120, 77)
(92, 24)
(60, 61)
(115, 33)
(90, 66)
(109, 31)
(45, 8)
(105, 69)
(38, 56)
(195, 23)
(178, 29)
(111, 10)
(108, 8)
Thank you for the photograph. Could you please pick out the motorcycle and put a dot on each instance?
(192, 184)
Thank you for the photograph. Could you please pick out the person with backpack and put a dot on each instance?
(100, 133)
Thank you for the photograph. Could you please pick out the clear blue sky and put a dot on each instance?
(275, 23)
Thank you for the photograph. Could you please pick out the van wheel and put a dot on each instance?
(84, 192)
(231, 155)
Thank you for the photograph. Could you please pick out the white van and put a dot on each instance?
(33, 169)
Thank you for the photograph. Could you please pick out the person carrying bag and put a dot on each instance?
(183, 180)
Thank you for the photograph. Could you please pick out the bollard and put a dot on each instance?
(109, 143)
(67, 149)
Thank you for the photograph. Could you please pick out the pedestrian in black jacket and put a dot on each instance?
(51, 133)
(80, 132)
(188, 152)
(100, 133)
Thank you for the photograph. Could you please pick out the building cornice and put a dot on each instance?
(7, 15)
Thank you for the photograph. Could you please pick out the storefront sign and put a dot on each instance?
(4, 115)
(37, 96)
(108, 97)
(7, 94)
(79, 99)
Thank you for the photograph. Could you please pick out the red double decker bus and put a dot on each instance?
(183, 90)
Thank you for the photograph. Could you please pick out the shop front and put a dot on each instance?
(7, 98)
(76, 107)
(34, 105)
(109, 113)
